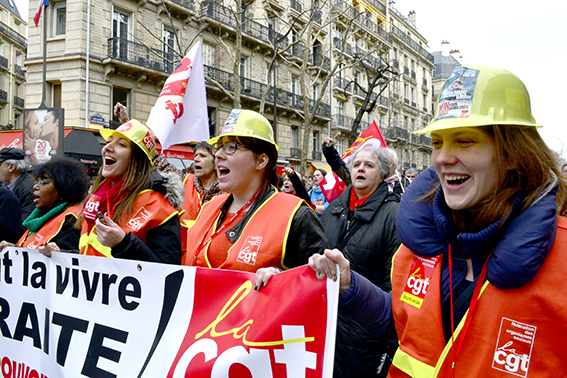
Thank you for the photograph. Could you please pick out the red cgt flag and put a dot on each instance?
(331, 185)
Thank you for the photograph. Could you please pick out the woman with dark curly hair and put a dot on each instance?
(60, 187)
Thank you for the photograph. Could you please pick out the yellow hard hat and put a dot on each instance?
(246, 123)
(136, 133)
(481, 96)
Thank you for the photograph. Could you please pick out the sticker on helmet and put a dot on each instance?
(456, 96)
(125, 127)
(230, 123)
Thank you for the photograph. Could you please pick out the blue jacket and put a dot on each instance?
(317, 197)
(520, 246)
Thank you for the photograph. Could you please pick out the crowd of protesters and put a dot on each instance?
(427, 270)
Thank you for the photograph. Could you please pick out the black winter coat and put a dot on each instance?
(370, 250)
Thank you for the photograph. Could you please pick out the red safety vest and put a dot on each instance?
(513, 333)
(192, 199)
(50, 229)
(262, 242)
(151, 209)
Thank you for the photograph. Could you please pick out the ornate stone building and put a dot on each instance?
(133, 46)
(13, 47)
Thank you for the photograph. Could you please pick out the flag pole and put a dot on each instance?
(44, 88)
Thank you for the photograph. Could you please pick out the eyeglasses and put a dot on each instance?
(229, 148)
(42, 182)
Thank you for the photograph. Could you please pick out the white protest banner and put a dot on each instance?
(180, 113)
(85, 316)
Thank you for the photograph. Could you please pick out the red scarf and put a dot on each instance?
(101, 200)
(356, 202)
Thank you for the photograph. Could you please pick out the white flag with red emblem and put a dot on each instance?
(331, 185)
(180, 112)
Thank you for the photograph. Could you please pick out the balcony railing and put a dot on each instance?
(256, 90)
(373, 28)
(357, 91)
(298, 50)
(406, 101)
(226, 16)
(397, 132)
(407, 39)
(295, 152)
(414, 104)
(341, 83)
(3, 62)
(406, 70)
(338, 43)
(383, 101)
(316, 155)
(138, 54)
(190, 4)
(3, 97)
(413, 74)
(342, 121)
(19, 103)
(424, 82)
(378, 5)
(322, 61)
(14, 35)
(19, 71)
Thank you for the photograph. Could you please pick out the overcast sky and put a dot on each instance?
(528, 38)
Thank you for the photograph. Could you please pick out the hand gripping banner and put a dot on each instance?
(84, 316)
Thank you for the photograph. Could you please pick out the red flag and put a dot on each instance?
(331, 185)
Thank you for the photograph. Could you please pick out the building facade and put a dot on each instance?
(13, 47)
(296, 54)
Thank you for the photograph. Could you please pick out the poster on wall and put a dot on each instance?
(43, 134)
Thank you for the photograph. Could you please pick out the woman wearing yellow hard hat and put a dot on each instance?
(253, 226)
(476, 285)
(127, 215)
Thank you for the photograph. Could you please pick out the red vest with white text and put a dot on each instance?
(151, 209)
(513, 333)
(50, 229)
(262, 242)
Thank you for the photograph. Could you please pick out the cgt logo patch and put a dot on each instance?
(139, 219)
(514, 347)
(421, 273)
(249, 251)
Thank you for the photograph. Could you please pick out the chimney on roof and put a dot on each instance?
(411, 18)
(444, 48)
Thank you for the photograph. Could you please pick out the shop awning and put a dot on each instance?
(14, 138)
(177, 151)
(84, 146)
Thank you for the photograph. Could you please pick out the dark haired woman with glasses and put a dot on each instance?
(253, 226)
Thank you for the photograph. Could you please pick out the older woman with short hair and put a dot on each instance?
(361, 223)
